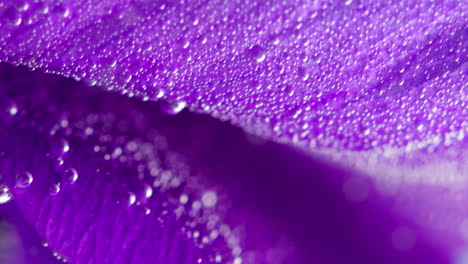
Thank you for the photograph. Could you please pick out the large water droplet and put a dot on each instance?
(69, 176)
(62, 11)
(258, 53)
(13, 17)
(24, 179)
(172, 108)
(22, 5)
(5, 195)
(54, 189)
(41, 7)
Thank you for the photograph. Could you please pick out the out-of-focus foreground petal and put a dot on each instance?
(19, 241)
(108, 179)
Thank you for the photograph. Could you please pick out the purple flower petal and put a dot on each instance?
(108, 179)
(343, 74)
(375, 76)
(379, 86)
(19, 241)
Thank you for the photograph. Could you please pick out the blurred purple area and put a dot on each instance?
(19, 242)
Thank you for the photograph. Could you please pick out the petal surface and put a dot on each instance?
(355, 75)
(353, 79)
(377, 85)
(19, 241)
(108, 179)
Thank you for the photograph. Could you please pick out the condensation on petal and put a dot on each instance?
(182, 189)
(372, 77)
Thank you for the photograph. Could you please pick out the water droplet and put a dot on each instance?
(54, 189)
(303, 73)
(131, 199)
(367, 132)
(125, 78)
(41, 7)
(13, 17)
(27, 19)
(59, 147)
(196, 205)
(8, 109)
(62, 11)
(209, 199)
(59, 161)
(275, 40)
(183, 199)
(143, 192)
(69, 176)
(21, 5)
(172, 108)
(147, 191)
(24, 179)
(5, 195)
(160, 94)
(258, 53)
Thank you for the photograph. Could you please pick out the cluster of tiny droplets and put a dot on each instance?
(356, 75)
(160, 171)
(157, 170)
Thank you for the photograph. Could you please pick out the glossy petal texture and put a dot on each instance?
(117, 181)
(381, 76)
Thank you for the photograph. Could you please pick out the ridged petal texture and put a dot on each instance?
(376, 86)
